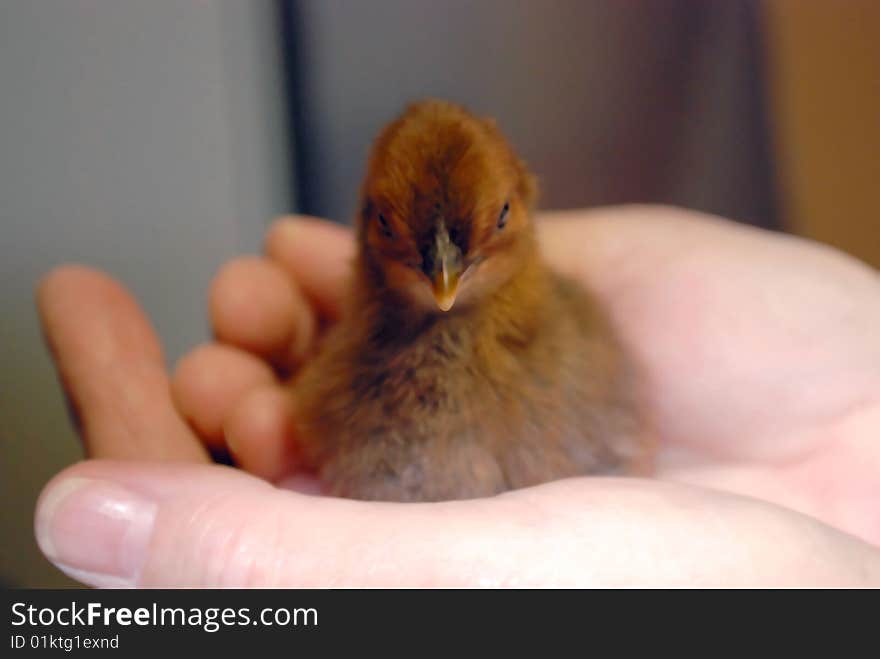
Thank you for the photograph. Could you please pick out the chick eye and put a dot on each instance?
(502, 218)
(384, 228)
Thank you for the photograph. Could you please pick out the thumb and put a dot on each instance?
(126, 524)
(148, 524)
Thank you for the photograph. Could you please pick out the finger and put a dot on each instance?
(111, 367)
(125, 524)
(210, 381)
(260, 433)
(317, 254)
(255, 306)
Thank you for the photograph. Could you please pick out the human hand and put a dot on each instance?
(761, 366)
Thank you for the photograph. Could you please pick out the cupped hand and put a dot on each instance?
(761, 366)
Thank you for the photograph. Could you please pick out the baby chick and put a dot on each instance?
(463, 367)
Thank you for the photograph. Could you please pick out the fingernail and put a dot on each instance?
(95, 531)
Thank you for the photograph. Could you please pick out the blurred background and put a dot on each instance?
(157, 138)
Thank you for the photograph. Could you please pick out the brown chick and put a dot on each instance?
(463, 366)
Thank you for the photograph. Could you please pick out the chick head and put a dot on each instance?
(445, 217)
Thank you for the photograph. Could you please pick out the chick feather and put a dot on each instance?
(522, 380)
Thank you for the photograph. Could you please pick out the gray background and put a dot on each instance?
(609, 101)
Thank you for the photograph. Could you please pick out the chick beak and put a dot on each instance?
(447, 269)
(446, 284)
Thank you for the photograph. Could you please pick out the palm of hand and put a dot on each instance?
(759, 355)
(761, 361)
